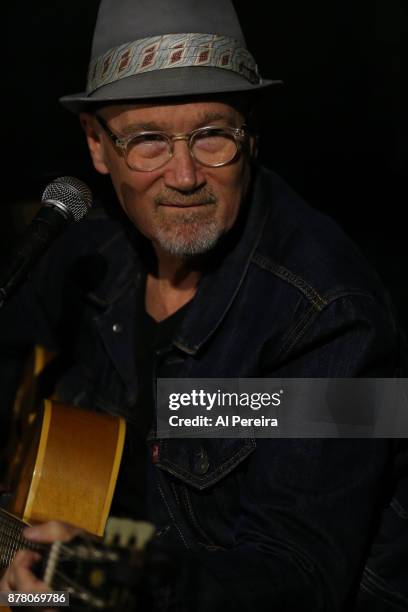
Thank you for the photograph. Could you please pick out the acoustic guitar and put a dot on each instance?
(63, 461)
(64, 466)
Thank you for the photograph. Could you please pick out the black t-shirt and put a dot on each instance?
(129, 497)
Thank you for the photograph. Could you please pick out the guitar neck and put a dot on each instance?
(97, 575)
(11, 538)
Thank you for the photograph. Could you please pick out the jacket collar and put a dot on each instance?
(123, 269)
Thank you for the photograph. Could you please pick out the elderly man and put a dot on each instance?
(222, 272)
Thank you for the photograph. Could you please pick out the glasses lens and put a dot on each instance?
(213, 147)
(148, 151)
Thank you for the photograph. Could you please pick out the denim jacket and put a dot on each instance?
(292, 524)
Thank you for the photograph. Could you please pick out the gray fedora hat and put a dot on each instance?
(148, 49)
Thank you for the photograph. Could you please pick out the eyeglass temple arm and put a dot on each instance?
(107, 129)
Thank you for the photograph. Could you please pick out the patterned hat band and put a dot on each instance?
(171, 51)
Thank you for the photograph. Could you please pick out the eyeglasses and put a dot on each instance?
(210, 146)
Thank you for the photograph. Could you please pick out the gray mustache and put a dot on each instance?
(197, 199)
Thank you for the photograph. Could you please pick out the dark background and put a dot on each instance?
(337, 131)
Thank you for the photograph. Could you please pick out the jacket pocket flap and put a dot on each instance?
(202, 462)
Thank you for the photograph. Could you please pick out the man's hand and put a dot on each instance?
(19, 576)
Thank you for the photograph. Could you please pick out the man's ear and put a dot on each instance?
(95, 143)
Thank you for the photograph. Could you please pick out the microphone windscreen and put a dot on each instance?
(71, 194)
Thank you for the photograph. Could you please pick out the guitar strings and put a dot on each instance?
(11, 539)
(11, 545)
(11, 536)
(11, 542)
(14, 541)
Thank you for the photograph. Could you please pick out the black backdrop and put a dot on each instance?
(337, 130)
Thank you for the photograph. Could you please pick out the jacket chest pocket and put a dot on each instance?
(204, 478)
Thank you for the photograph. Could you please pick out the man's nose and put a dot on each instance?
(182, 171)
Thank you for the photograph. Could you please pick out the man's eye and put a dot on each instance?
(149, 145)
(212, 140)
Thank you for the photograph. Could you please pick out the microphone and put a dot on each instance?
(66, 199)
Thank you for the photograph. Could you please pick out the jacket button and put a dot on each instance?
(201, 462)
(116, 328)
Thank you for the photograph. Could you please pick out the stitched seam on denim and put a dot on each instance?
(379, 595)
(383, 588)
(398, 509)
(297, 332)
(173, 518)
(305, 319)
(212, 548)
(293, 279)
(175, 493)
(222, 470)
(161, 532)
(332, 296)
(109, 301)
(111, 240)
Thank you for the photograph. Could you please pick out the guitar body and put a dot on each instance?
(69, 467)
